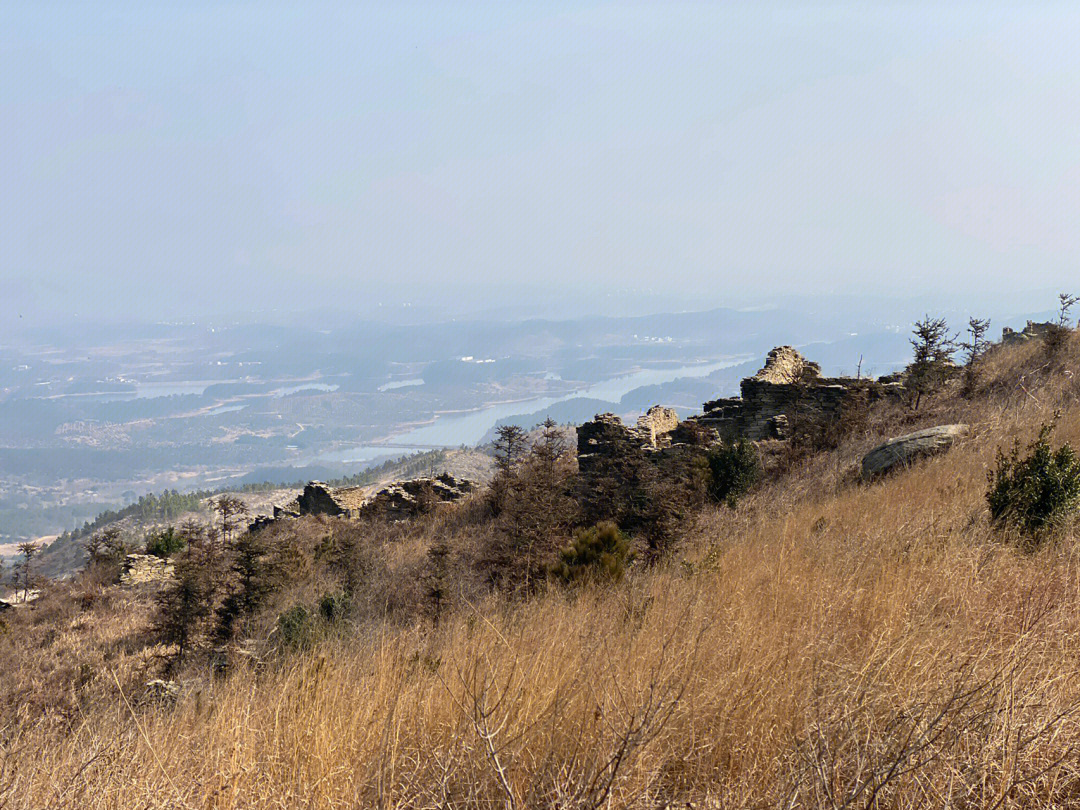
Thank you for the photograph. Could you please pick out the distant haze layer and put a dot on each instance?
(205, 158)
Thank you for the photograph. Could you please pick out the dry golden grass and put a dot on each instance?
(828, 645)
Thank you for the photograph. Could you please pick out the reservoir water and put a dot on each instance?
(469, 428)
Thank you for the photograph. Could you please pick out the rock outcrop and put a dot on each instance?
(20, 598)
(1033, 331)
(407, 499)
(320, 499)
(903, 450)
(140, 569)
(787, 395)
(397, 501)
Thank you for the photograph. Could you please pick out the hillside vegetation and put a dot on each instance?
(826, 643)
(151, 512)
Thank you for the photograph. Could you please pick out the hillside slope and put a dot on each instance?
(65, 555)
(829, 643)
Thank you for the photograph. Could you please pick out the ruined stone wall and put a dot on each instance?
(606, 436)
(396, 501)
(319, 499)
(773, 411)
(1034, 330)
(657, 425)
(788, 395)
(407, 499)
(603, 438)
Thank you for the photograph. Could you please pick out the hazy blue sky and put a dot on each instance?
(158, 157)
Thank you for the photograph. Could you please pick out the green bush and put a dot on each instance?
(734, 467)
(598, 553)
(296, 627)
(334, 606)
(165, 542)
(1037, 492)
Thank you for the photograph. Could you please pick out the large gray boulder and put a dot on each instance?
(905, 449)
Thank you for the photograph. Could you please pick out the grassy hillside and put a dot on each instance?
(828, 644)
(66, 554)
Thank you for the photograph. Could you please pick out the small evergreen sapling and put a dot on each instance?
(1035, 493)
(599, 553)
(28, 550)
(974, 348)
(735, 467)
(164, 543)
(934, 348)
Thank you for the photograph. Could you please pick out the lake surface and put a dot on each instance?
(454, 430)
(147, 390)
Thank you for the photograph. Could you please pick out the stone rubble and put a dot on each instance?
(398, 501)
(140, 569)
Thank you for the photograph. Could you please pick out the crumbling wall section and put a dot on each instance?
(787, 396)
(397, 501)
(1033, 331)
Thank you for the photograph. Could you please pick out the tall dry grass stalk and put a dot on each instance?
(829, 645)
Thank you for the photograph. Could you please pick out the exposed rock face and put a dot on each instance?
(1034, 330)
(408, 499)
(20, 598)
(603, 438)
(786, 395)
(320, 499)
(905, 449)
(397, 501)
(142, 568)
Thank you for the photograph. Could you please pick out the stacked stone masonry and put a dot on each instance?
(786, 396)
(397, 501)
(1034, 330)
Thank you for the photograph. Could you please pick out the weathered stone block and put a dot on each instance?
(904, 449)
